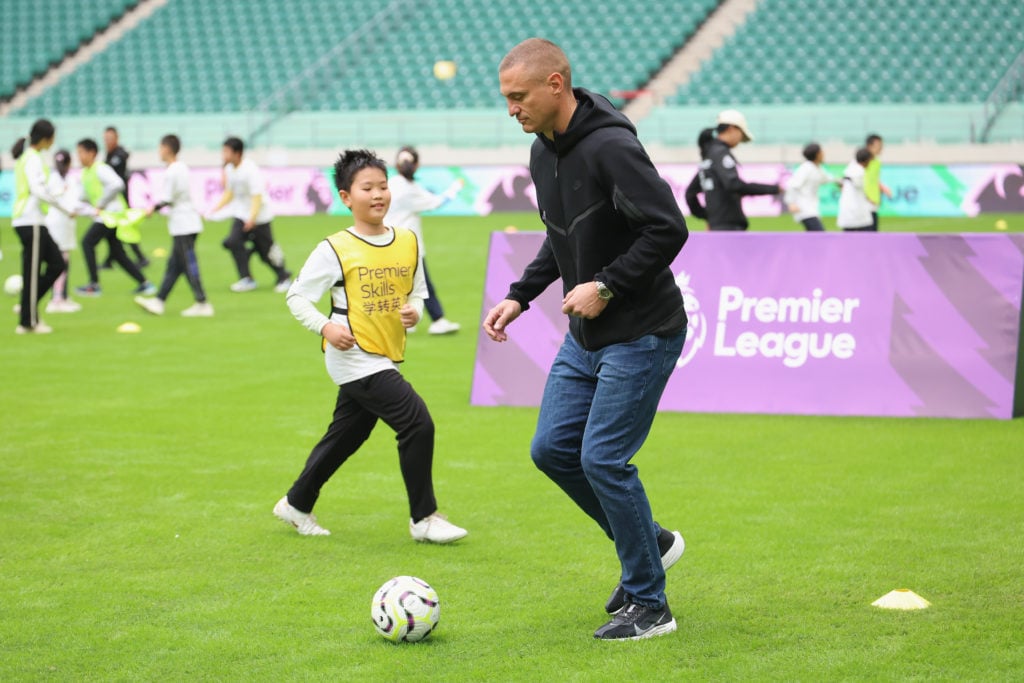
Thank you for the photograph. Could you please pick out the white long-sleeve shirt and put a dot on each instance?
(38, 192)
(59, 222)
(245, 182)
(854, 207)
(182, 217)
(409, 200)
(803, 190)
(113, 186)
(319, 275)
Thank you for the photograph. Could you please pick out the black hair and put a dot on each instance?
(872, 138)
(62, 160)
(405, 166)
(18, 148)
(235, 145)
(812, 151)
(704, 139)
(110, 129)
(171, 142)
(864, 155)
(89, 145)
(42, 129)
(350, 162)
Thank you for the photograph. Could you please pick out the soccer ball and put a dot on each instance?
(405, 609)
(13, 285)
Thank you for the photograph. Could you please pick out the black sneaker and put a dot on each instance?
(636, 622)
(671, 545)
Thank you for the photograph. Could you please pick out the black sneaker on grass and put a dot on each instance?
(671, 545)
(635, 622)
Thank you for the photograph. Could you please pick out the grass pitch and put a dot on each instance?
(138, 473)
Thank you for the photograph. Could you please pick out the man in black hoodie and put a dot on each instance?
(718, 179)
(613, 230)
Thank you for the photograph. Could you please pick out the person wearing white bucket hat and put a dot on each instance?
(719, 180)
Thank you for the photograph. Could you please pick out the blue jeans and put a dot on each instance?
(597, 410)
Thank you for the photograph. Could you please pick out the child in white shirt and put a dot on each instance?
(184, 223)
(61, 224)
(854, 206)
(803, 187)
(374, 274)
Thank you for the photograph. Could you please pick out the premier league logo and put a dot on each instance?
(696, 326)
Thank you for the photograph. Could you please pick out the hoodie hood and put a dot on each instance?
(593, 112)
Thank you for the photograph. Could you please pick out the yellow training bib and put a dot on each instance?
(378, 280)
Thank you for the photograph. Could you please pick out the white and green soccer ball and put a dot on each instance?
(13, 285)
(405, 609)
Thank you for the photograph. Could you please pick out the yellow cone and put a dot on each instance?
(129, 328)
(901, 598)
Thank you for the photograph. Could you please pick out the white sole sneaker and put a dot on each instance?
(304, 522)
(435, 529)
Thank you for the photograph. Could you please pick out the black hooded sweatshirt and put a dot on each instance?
(609, 217)
(723, 189)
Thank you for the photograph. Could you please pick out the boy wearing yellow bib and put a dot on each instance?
(374, 274)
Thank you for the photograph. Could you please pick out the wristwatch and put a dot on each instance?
(603, 292)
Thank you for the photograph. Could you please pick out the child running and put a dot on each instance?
(61, 224)
(41, 260)
(855, 208)
(802, 189)
(184, 224)
(375, 277)
(102, 189)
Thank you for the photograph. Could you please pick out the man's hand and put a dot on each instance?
(793, 208)
(409, 316)
(248, 225)
(499, 317)
(338, 336)
(583, 302)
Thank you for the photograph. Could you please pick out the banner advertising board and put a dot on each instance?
(824, 324)
(937, 190)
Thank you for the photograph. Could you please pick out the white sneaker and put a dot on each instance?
(246, 284)
(304, 522)
(63, 306)
(199, 310)
(282, 286)
(151, 304)
(40, 328)
(410, 330)
(435, 529)
(443, 326)
(16, 308)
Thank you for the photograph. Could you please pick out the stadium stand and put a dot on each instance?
(868, 52)
(200, 56)
(39, 34)
(161, 68)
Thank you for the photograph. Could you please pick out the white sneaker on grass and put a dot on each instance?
(40, 328)
(151, 304)
(282, 286)
(199, 310)
(443, 326)
(304, 522)
(246, 284)
(435, 529)
(63, 306)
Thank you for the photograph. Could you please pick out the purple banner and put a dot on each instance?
(830, 324)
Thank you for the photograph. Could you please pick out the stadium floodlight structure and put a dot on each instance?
(325, 72)
(1007, 90)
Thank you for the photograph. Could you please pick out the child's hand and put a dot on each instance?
(338, 336)
(409, 316)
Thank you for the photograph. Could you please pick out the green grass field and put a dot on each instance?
(138, 473)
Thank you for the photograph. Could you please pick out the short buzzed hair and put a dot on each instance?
(539, 54)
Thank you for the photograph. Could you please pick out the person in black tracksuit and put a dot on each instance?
(720, 182)
(117, 159)
(613, 230)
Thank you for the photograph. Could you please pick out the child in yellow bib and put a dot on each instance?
(374, 274)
